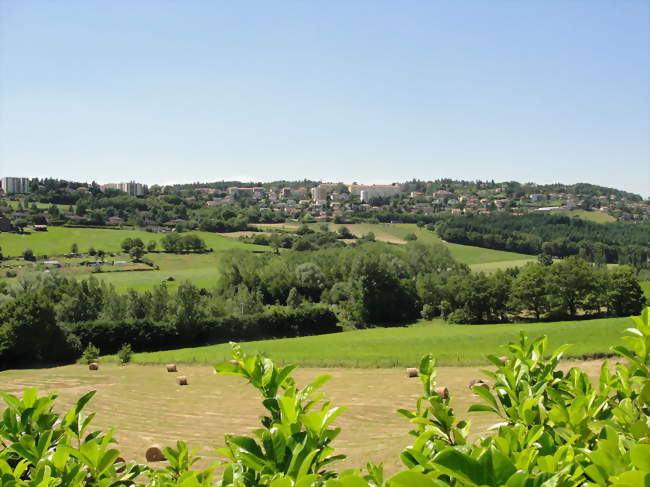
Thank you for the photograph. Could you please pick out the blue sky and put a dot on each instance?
(368, 91)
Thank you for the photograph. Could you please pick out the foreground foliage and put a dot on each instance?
(556, 429)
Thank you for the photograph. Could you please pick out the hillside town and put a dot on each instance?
(63, 202)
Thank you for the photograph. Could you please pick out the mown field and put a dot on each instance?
(403, 346)
(58, 240)
(146, 406)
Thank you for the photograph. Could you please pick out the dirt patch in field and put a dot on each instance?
(147, 406)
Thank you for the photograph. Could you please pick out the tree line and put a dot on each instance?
(554, 235)
(367, 283)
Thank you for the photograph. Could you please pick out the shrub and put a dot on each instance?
(428, 312)
(410, 237)
(345, 233)
(11, 273)
(90, 354)
(28, 254)
(459, 316)
(124, 353)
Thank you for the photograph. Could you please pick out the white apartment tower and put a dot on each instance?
(15, 185)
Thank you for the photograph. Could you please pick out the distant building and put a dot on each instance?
(368, 192)
(319, 194)
(131, 188)
(15, 185)
(255, 193)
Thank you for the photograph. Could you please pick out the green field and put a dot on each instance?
(40, 206)
(401, 346)
(57, 240)
(200, 269)
(489, 259)
(593, 216)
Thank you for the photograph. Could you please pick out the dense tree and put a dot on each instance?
(624, 295)
(569, 282)
(529, 290)
(29, 333)
(136, 253)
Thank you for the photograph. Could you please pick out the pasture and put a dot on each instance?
(58, 240)
(487, 260)
(453, 345)
(200, 269)
(147, 407)
(592, 216)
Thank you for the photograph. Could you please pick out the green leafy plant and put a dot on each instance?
(556, 429)
(124, 353)
(90, 354)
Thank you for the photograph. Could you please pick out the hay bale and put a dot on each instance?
(443, 392)
(93, 366)
(171, 368)
(154, 454)
(503, 360)
(182, 380)
(478, 383)
(412, 372)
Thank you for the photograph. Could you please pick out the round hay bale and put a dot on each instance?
(478, 383)
(443, 392)
(412, 372)
(233, 362)
(154, 454)
(171, 368)
(182, 380)
(93, 366)
(503, 360)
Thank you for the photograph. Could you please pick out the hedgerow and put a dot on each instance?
(556, 429)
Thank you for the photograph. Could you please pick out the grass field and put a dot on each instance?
(41, 206)
(200, 269)
(486, 260)
(147, 407)
(403, 346)
(58, 240)
(593, 216)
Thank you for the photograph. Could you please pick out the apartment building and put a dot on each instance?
(15, 185)
(132, 188)
(255, 193)
(367, 192)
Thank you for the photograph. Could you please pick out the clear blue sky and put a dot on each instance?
(368, 91)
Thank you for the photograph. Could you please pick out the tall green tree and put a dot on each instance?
(529, 290)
